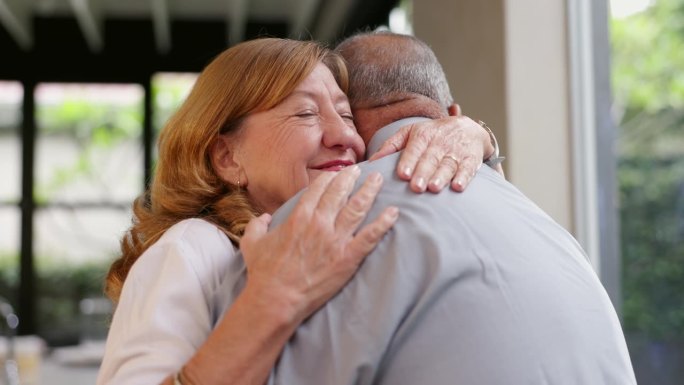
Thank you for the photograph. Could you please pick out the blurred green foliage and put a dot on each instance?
(648, 83)
(648, 60)
(93, 126)
(60, 288)
(168, 92)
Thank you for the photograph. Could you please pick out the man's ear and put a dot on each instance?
(224, 160)
(454, 110)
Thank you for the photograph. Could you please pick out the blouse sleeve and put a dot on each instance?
(168, 304)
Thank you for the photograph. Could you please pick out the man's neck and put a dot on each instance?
(369, 118)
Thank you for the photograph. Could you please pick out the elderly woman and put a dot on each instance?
(265, 119)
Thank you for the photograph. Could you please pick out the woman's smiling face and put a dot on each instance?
(281, 150)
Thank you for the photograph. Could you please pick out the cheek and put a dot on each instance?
(295, 165)
(301, 146)
(278, 163)
(286, 171)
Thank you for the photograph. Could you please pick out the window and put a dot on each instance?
(91, 145)
(86, 158)
(11, 95)
(648, 85)
(88, 170)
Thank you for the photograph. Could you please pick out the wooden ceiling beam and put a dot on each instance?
(301, 17)
(15, 15)
(332, 18)
(89, 17)
(237, 20)
(162, 25)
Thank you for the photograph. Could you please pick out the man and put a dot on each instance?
(479, 287)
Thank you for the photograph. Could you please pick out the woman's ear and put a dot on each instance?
(224, 160)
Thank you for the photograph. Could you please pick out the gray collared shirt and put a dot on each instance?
(479, 287)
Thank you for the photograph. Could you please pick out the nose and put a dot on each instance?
(340, 134)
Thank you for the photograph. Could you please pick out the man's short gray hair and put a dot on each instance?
(401, 65)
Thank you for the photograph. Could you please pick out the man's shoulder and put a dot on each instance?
(485, 183)
(483, 188)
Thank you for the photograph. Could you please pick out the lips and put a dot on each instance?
(334, 165)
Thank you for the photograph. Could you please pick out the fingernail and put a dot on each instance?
(436, 183)
(420, 183)
(393, 212)
(375, 177)
(407, 171)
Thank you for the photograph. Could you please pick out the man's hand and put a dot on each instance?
(439, 152)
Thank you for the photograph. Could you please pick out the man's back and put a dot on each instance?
(480, 287)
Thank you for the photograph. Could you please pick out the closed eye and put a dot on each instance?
(306, 114)
(347, 116)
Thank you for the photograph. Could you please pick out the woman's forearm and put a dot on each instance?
(246, 343)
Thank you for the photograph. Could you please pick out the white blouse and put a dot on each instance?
(174, 295)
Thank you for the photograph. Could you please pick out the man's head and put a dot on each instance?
(392, 77)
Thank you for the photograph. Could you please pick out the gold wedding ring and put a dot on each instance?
(452, 157)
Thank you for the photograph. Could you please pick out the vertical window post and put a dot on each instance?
(27, 279)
